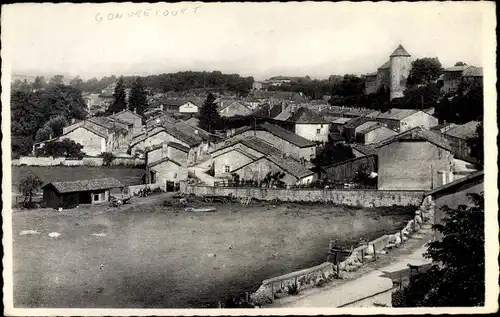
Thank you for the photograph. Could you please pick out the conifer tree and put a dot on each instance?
(119, 103)
(138, 97)
(209, 114)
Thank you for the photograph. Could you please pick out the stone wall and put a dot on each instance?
(311, 277)
(86, 161)
(348, 197)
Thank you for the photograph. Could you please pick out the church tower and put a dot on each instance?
(399, 72)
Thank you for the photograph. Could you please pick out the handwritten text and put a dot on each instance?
(101, 17)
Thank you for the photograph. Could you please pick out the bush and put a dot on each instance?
(293, 289)
(108, 158)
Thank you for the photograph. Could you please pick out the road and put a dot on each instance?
(366, 291)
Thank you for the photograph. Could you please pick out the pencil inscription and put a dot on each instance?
(110, 16)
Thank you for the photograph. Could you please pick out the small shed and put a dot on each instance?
(69, 194)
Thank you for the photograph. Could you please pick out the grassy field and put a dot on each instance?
(128, 176)
(155, 257)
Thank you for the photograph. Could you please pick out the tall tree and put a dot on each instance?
(424, 70)
(460, 63)
(39, 83)
(209, 114)
(28, 185)
(138, 97)
(118, 103)
(57, 80)
(457, 275)
(76, 82)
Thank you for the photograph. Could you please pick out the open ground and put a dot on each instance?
(156, 256)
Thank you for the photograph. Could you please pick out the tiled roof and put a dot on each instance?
(181, 134)
(400, 51)
(371, 74)
(473, 72)
(162, 160)
(290, 165)
(336, 136)
(386, 65)
(125, 111)
(236, 103)
(153, 148)
(417, 133)
(107, 123)
(463, 131)
(456, 68)
(372, 127)
(364, 149)
(193, 132)
(397, 114)
(304, 115)
(85, 185)
(268, 111)
(287, 135)
(252, 142)
(341, 120)
(178, 146)
(87, 127)
(356, 122)
(192, 121)
(368, 126)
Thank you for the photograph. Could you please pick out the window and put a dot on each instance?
(227, 169)
(96, 197)
(318, 131)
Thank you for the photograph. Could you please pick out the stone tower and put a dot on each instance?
(400, 69)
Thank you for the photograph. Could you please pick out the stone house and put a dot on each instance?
(458, 135)
(354, 125)
(454, 76)
(282, 139)
(373, 133)
(310, 125)
(189, 107)
(294, 172)
(70, 194)
(235, 108)
(94, 141)
(238, 151)
(130, 117)
(454, 194)
(413, 160)
(168, 163)
(401, 120)
(337, 124)
(346, 171)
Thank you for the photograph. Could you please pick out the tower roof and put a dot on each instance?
(400, 51)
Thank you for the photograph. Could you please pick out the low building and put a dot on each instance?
(346, 171)
(294, 172)
(454, 194)
(131, 118)
(310, 125)
(413, 160)
(458, 135)
(354, 125)
(454, 76)
(374, 133)
(70, 194)
(235, 108)
(282, 139)
(337, 124)
(401, 120)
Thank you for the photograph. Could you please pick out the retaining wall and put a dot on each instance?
(349, 197)
(86, 161)
(362, 254)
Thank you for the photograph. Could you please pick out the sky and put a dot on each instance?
(251, 39)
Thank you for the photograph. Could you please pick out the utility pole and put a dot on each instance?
(146, 155)
(422, 102)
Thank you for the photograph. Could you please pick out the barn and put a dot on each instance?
(70, 194)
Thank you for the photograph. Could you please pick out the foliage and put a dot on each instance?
(64, 148)
(362, 176)
(460, 63)
(476, 144)
(138, 98)
(39, 83)
(274, 179)
(209, 114)
(56, 80)
(44, 133)
(30, 111)
(119, 102)
(458, 259)
(461, 106)
(333, 153)
(28, 185)
(107, 158)
(424, 70)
